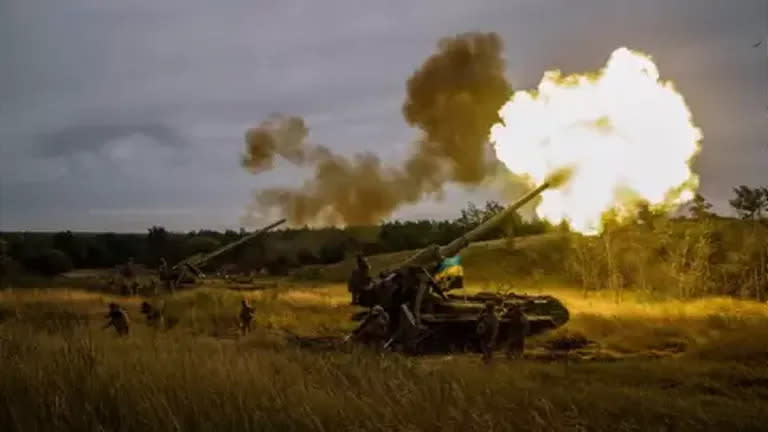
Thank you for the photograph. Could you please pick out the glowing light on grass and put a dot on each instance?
(626, 135)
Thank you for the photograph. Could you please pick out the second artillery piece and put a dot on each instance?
(188, 270)
(424, 318)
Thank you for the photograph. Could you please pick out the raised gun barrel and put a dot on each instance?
(196, 261)
(434, 253)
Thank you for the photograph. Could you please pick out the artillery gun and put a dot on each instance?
(187, 271)
(426, 319)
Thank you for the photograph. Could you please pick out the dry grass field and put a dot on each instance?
(665, 365)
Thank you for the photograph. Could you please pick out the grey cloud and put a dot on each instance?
(118, 78)
(90, 138)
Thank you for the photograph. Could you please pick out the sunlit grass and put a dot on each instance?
(62, 372)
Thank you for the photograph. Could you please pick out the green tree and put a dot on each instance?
(750, 203)
(5, 262)
(72, 246)
(158, 244)
(49, 262)
(201, 244)
(700, 208)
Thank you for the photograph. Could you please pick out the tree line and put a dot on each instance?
(278, 251)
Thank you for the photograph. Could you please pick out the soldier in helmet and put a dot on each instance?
(518, 330)
(246, 316)
(360, 278)
(118, 318)
(374, 328)
(488, 329)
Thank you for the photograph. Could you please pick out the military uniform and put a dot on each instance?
(246, 317)
(165, 275)
(118, 319)
(518, 330)
(488, 330)
(374, 328)
(360, 279)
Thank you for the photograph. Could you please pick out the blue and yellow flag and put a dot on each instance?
(450, 268)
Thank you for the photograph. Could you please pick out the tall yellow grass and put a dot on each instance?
(61, 372)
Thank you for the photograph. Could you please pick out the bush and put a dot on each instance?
(197, 245)
(48, 262)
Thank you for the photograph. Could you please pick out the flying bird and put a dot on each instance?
(760, 42)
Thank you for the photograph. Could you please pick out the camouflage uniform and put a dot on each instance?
(518, 330)
(360, 279)
(118, 319)
(374, 328)
(488, 330)
(246, 317)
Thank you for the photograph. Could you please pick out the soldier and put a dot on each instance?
(129, 272)
(153, 315)
(165, 275)
(360, 278)
(127, 275)
(246, 316)
(487, 330)
(135, 288)
(163, 268)
(153, 286)
(374, 328)
(518, 329)
(118, 319)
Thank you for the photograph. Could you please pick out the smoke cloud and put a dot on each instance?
(453, 98)
(277, 135)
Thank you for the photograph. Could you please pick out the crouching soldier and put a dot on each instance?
(154, 316)
(246, 317)
(374, 329)
(488, 330)
(118, 318)
(518, 330)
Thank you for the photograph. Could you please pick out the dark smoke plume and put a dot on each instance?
(453, 98)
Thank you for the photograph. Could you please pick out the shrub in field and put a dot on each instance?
(681, 258)
(48, 262)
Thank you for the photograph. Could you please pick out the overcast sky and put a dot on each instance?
(118, 115)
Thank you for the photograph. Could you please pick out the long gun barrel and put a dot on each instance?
(229, 246)
(432, 253)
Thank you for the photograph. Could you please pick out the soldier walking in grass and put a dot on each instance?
(118, 318)
(518, 330)
(488, 330)
(246, 316)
